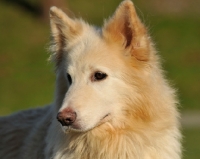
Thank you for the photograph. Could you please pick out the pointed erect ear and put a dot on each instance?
(126, 29)
(63, 30)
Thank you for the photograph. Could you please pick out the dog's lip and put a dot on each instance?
(106, 118)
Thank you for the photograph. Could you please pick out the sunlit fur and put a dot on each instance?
(131, 114)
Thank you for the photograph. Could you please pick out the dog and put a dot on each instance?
(112, 99)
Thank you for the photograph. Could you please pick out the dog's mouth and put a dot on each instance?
(106, 118)
(103, 120)
(76, 128)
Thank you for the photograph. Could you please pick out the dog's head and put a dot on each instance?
(101, 73)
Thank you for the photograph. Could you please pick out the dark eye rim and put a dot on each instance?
(69, 78)
(99, 76)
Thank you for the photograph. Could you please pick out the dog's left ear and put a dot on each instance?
(125, 28)
(63, 30)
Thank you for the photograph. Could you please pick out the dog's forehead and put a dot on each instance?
(91, 50)
(89, 45)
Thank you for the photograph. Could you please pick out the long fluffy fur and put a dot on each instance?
(145, 124)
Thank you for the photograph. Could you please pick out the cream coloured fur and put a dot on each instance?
(131, 114)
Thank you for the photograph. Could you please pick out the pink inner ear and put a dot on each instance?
(128, 33)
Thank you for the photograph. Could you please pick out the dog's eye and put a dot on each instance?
(97, 76)
(69, 78)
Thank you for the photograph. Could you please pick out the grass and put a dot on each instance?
(191, 142)
(178, 42)
(23, 61)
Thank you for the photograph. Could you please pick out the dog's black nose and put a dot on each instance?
(66, 117)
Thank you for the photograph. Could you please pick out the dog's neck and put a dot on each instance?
(106, 142)
(101, 144)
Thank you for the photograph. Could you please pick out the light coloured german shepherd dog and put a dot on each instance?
(112, 100)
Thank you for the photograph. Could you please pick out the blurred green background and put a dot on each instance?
(27, 78)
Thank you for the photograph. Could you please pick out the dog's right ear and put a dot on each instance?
(63, 30)
(126, 29)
